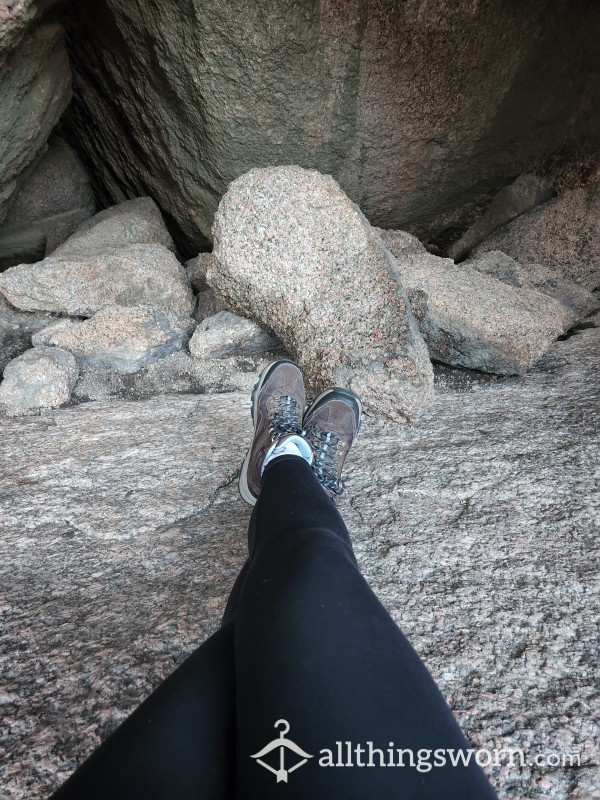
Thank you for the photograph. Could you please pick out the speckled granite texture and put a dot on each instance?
(293, 253)
(121, 533)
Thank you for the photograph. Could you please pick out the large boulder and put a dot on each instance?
(576, 301)
(294, 253)
(471, 319)
(563, 235)
(35, 88)
(421, 110)
(125, 338)
(523, 194)
(40, 378)
(53, 199)
(136, 221)
(140, 274)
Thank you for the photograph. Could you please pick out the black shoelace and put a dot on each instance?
(286, 417)
(326, 449)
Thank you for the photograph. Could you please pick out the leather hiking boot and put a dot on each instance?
(331, 424)
(278, 401)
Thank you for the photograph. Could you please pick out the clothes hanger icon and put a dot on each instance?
(281, 743)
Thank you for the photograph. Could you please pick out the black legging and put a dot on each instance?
(303, 639)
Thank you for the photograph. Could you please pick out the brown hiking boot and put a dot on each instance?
(331, 424)
(278, 401)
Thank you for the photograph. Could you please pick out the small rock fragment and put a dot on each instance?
(40, 378)
(43, 338)
(197, 268)
(400, 243)
(226, 334)
(208, 304)
(524, 193)
(16, 330)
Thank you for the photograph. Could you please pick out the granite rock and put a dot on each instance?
(137, 221)
(208, 303)
(197, 268)
(44, 337)
(53, 199)
(419, 109)
(563, 235)
(178, 373)
(470, 319)
(294, 253)
(475, 527)
(400, 243)
(15, 19)
(576, 300)
(139, 274)
(226, 334)
(40, 378)
(35, 88)
(524, 193)
(17, 329)
(123, 338)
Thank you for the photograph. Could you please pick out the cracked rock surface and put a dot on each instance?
(121, 533)
(17, 329)
(125, 338)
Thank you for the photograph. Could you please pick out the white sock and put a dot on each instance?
(291, 445)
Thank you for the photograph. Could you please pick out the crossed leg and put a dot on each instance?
(303, 639)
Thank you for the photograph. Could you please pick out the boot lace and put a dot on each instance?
(286, 417)
(326, 449)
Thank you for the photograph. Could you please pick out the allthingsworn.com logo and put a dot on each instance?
(285, 756)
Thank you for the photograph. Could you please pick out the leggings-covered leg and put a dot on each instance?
(178, 745)
(303, 639)
(315, 647)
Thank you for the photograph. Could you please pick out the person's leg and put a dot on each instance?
(180, 743)
(315, 647)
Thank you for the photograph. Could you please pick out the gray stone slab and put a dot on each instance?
(121, 534)
(139, 274)
(563, 235)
